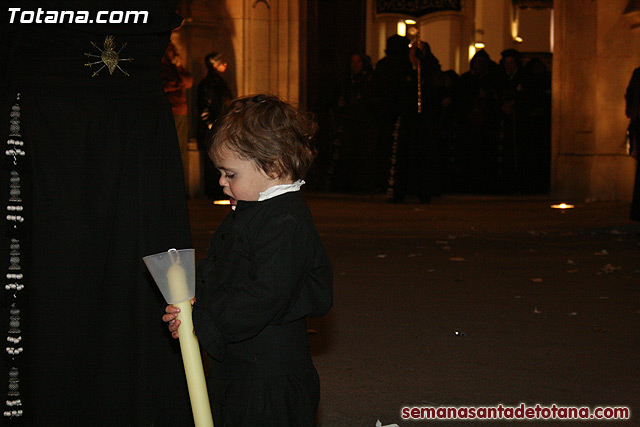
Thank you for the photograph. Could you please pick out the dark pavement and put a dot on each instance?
(546, 305)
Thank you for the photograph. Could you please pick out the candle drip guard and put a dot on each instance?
(174, 273)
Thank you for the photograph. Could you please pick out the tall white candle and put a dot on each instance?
(190, 349)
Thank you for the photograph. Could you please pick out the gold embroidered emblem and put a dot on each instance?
(108, 57)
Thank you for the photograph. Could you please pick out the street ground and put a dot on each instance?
(472, 301)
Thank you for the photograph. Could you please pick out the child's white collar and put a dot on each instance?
(277, 190)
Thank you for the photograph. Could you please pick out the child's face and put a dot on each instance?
(242, 179)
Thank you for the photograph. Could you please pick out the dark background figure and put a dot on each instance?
(509, 86)
(100, 185)
(176, 80)
(533, 124)
(632, 109)
(428, 134)
(479, 106)
(392, 80)
(214, 96)
(354, 160)
(448, 128)
(405, 133)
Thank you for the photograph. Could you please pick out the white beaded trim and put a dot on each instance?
(15, 221)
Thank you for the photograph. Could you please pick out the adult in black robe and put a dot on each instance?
(409, 135)
(100, 186)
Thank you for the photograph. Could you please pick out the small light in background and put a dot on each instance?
(478, 40)
(562, 206)
(402, 26)
(222, 202)
(472, 51)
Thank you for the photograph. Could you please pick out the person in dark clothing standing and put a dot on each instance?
(407, 134)
(479, 109)
(509, 86)
(266, 271)
(214, 96)
(354, 159)
(92, 181)
(632, 98)
(534, 128)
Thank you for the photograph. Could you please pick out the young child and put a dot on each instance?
(266, 271)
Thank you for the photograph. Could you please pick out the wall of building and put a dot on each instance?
(535, 29)
(498, 23)
(493, 25)
(444, 34)
(259, 38)
(595, 53)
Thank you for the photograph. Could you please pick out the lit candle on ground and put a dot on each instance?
(190, 351)
(562, 206)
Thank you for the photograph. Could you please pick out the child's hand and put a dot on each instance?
(170, 317)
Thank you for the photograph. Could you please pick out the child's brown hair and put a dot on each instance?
(270, 132)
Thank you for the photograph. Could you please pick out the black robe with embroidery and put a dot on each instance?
(101, 184)
(266, 271)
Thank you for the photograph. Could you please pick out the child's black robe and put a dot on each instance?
(266, 271)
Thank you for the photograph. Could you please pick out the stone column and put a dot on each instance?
(270, 34)
(594, 56)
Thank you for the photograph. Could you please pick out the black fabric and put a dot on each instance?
(52, 60)
(634, 135)
(632, 110)
(214, 96)
(266, 271)
(281, 401)
(104, 188)
(635, 202)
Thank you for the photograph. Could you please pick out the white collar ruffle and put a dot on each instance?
(277, 190)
